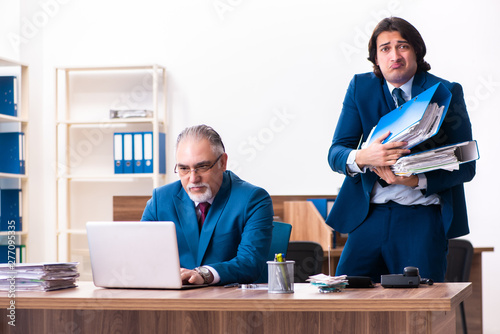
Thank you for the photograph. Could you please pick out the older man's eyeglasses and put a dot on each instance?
(200, 169)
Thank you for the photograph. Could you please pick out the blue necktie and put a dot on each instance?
(398, 94)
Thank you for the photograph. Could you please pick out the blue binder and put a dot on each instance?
(10, 210)
(128, 153)
(402, 118)
(8, 95)
(149, 148)
(148, 152)
(162, 155)
(138, 152)
(9, 254)
(12, 152)
(118, 152)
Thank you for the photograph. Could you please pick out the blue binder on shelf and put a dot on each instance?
(128, 153)
(10, 210)
(405, 119)
(149, 148)
(8, 95)
(138, 152)
(162, 154)
(148, 152)
(9, 255)
(12, 152)
(118, 152)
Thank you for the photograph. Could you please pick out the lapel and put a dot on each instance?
(391, 105)
(188, 222)
(213, 216)
(418, 84)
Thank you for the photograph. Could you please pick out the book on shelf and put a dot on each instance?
(10, 210)
(12, 153)
(45, 276)
(8, 95)
(13, 253)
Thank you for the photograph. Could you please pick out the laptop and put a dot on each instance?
(136, 254)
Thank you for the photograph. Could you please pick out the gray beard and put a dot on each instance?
(200, 198)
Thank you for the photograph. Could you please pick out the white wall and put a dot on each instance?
(270, 76)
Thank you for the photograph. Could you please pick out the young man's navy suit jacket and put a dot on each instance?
(367, 99)
(236, 234)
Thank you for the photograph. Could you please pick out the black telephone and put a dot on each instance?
(409, 279)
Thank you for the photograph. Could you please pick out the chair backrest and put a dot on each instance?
(279, 244)
(460, 253)
(308, 257)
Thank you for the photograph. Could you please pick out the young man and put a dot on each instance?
(396, 221)
(227, 242)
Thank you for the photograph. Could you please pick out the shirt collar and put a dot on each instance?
(211, 200)
(406, 88)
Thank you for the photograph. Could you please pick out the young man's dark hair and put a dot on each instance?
(408, 32)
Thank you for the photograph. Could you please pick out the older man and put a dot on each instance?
(224, 224)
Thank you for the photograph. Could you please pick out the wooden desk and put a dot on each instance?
(473, 305)
(87, 309)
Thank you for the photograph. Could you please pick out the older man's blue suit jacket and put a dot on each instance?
(367, 99)
(236, 234)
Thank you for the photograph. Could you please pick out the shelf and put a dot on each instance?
(7, 119)
(110, 178)
(85, 143)
(13, 176)
(112, 68)
(18, 123)
(72, 231)
(112, 121)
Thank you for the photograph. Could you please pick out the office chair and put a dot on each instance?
(308, 257)
(279, 244)
(459, 259)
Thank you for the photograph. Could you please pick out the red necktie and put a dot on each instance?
(203, 210)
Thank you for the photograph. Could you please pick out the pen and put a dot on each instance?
(231, 285)
(279, 258)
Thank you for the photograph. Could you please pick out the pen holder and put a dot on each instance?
(280, 276)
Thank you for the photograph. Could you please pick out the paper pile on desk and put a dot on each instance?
(327, 283)
(38, 276)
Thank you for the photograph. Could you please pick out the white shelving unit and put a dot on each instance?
(85, 176)
(19, 123)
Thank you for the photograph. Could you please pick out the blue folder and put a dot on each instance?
(402, 118)
(9, 254)
(118, 152)
(149, 148)
(12, 152)
(148, 152)
(162, 154)
(10, 210)
(8, 95)
(128, 153)
(138, 152)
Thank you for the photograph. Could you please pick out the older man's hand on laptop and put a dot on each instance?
(200, 275)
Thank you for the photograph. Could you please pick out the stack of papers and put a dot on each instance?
(38, 276)
(327, 283)
(447, 157)
(423, 129)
